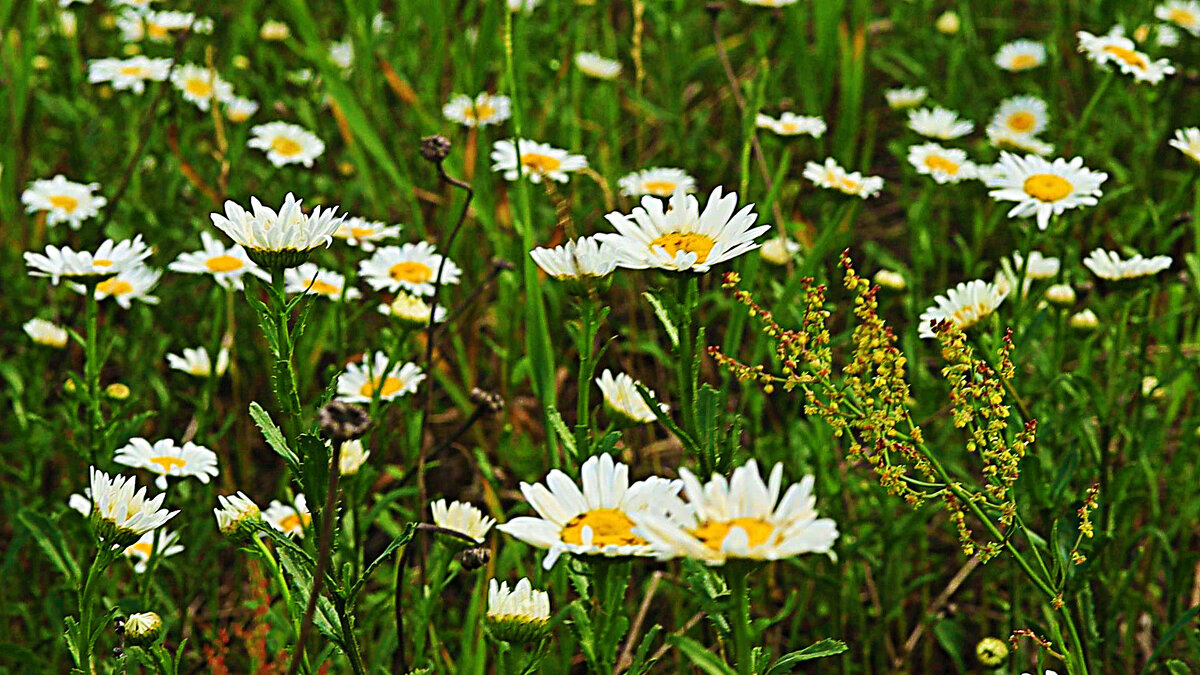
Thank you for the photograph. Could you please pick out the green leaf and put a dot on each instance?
(49, 537)
(564, 434)
(699, 655)
(274, 436)
(1176, 667)
(818, 650)
(325, 618)
(403, 539)
(314, 473)
(663, 317)
(664, 419)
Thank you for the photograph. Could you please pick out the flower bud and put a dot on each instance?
(1061, 294)
(1084, 320)
(521, 615)
(117, 391)
(143, 629)
(991, 652)
(948, 23)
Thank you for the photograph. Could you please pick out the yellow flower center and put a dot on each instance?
(286, 146)
(662, 188)
(197, 87)
(789, 127)
(1047, 187)
(849, 185)
(689, 242)
(102, 263)
(412, 272)
(610, 527)
(361, 232)
(68, 204)
(540, 163)
(1129, 56)
(166, 462)
(156, 32)
(938, 163)
(1023, 61)
(480, 113)
(114, 286)
(323, 288)
(294, 521)
(712, 534)
(223, 263)
(238, 116)
(390, 386)
(133, 71)
(966, 317)
(141, 547)
(1022, 121)
(1181, 16)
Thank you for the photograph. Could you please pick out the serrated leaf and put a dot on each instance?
(664, 419)
(403, 539)
(561, 430)
(274, 436)
(325, 618)
(663, 317)
(50, 539)
(817, 650)
(314, 475)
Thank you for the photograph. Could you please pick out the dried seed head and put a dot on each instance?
(490, 401)
(435, 148)
(473, 558)
(341, 422)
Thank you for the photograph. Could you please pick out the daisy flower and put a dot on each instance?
(902, 98)
(46, 333)
(286, 143)
(144, 549)
(167, 459)
(1021, 55)
(308, 278)
(1108, 265)
(779, 250)
(682, 238)
(1115, 48)
(462, 518)
(1040, 267)
(791, 124)
(411, 310)
(965, 305)
(197, 362)
(890, 279)
(353, 456)
(290, 519)
(1166, 35)
(364, 233)
(831, 175)
(63, 201)
(200, 85)
(274, 31)
(944, 165)
(119, 515)
(1022, 115)
(134, 283)
(1084, 320)
(238, 110)
(375, 375)
(520, 615)
(1061, 294)
(342, 54)
(237, 515)
(597, 66)
(226, 265)
(109, 259)
(659, 181)
(1041, 188)
(1005, 139)
(412, 267)
(594, 521)
(1182, 13)
(537, 160)
(938, 123)
(742, 518)
(583, 258)
(130, 74)
(622, 399)
(159, 25)
(481, 111)
(1187, 141)
(283, 239)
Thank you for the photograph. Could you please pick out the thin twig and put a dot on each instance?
(686, 627)
(934, 608)
(627, 652)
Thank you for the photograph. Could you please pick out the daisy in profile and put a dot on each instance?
(411, 310)
(594, 521)
(1041, 188)
(63, 201)
(290, 519)
(130, 74)
(286, 143)
(353, 456)
(411, 267)
(1187, 141)
(1022, 115)
(480, 111)
(1039, 268)
(200, 85)
(144, 549)
(121, 513)
(1021, 55)
(683, 238)
(832, 176)
(659, 181)
(1120, 50)
(308, 278)
(226, 265)
(462, 518)
(365, 233)
(1108, 265)
(133, 283)
(778, 250)
(196, 362)
(944, 165)
(361, 382)
(158, 26)
(110, 258)
(904, 98)
(278, 239)
(1084, 319)
(520, 615)
(46, 333)
(537, 161)
(583, 258)
(1005, 139)
(237, 515)
(622, 400)
(965, 305)
(938, 123)
(1182, 13)
(597, 66)
(165, 458)
(890, 279)
(791, 124)
(741, 518)
(238, 110)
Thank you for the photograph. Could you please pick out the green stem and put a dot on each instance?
(1091, 107)
(276, 572)
(736, 576)
(588, 328)
(288, 394)
(688, 292)
(91, 372)
(83, 642)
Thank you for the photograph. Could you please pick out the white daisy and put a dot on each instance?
(133, 283)
(1108, 265)
(109, 259)
(342, 54)
(481, 111)
(597, 66)
(142, 551)
(1021, 55)
(46, 333)
(944, 165)
(121, 513)
(1061, 294)
(353, 456)
(362, 381)
(278, 239)
(238, 110)
(597, 520)
(899, 99)
(778, 250)
(938, 123)
(286, 143)
(274, 31)
(1022, 115)
(1182, 13)
(130, 74)
(312, 279)
(1041, 188)
(520, 615)
(965, 305)
(622, 399)
(742, 518)
(167, 459)
(524, 6)
(682, 238)
(132, 28)
(226, 265)
(1040, 267)
(890, 279)
(411, 310)
(659, 181)
(158, 26)
(831, 175)
(290, 519)
(1115, 48)
(1004, 139)
(1187, 141)
(538, 161)
(197, 362)
(364, 233)
(236, 513)
(1084, 320)
(63, 201)
(791, 124)
(200, 85)
(1166, 35)
(412, 267)
(463, 518)
(583, 258)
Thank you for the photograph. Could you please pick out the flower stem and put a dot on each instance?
(289, 397)
(91, 372)
(588, 328)
(736, 576)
